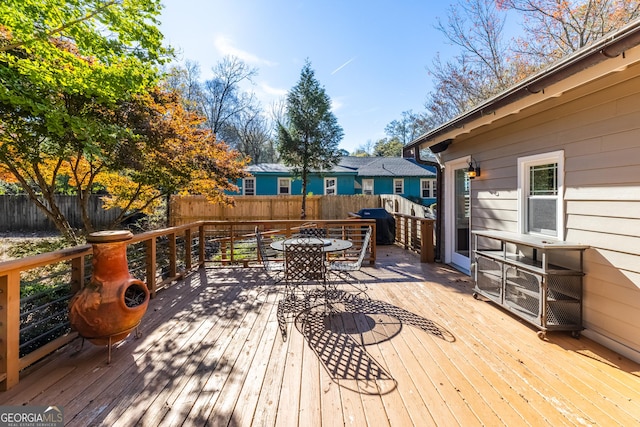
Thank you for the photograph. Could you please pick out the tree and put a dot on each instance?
(554, 29)
(221, 99)
(252, 136)
(386, 147)
(481, 67)
(486, 64)
(409, 127)
(364, 150)
(60, 70)
(186, 81)
(308, 139)
(233, 115)
(171, 154)
(99, 48)
(80, 105)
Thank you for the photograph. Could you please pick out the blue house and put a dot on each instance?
(353, 175)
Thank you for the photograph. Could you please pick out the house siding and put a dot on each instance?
(349, 174)
(384, 185)
(598, 127)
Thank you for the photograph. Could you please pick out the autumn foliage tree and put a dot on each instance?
(554, 29)
(80, 102)
(487, 62)
(166, 151)
(170, 153)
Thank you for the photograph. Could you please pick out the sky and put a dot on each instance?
(371, 56)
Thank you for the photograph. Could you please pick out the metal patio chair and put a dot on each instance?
(343, 269)
(274, 269)
(305, 280)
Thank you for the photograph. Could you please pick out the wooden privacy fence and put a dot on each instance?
(186, 209)
(19, 213)
(35, 323)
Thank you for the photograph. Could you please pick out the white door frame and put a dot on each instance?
(450, 255)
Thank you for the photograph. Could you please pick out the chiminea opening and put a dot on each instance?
(134, 295)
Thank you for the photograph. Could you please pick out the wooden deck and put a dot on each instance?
(420, 351)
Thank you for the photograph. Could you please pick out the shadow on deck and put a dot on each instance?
(416, 350)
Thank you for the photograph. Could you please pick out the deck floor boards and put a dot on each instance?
(419, 350)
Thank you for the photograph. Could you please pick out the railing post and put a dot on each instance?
(10, 329)
(426, 239)
(173, 255)
(232, 243)
(405, 231)
(150, 261)
(187, 248)
(77, 274)
(414, 232)
(202, 243)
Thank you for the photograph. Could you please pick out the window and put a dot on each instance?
(398, 186)
(330, 186)
(540, 190)
(284, 185)
(249, 187)
(428, 188)
(367, 186)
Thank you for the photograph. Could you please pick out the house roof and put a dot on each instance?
(268, 168)
(539, 87)
(387, 166)
(361, 166)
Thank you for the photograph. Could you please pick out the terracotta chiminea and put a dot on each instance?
(107, 309)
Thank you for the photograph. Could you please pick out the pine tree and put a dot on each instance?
(308, 139)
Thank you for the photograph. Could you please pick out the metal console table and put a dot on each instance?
(521, 273)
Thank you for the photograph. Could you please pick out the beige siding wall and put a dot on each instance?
(598, 127)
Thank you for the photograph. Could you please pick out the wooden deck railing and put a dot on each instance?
(416, 234)
(34, 325)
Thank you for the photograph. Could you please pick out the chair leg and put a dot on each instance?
(352, 281)
(282, 322)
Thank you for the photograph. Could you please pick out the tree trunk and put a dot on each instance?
(46, 203)
(303, 209)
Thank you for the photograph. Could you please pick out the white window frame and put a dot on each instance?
(430, 188)
(244, 186)
(395, 187)
(330, 190)
(368, 186)
(288, 186)
(524, 165)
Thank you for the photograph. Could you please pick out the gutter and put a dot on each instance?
(605, 48)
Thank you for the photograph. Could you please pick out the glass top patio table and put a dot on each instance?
(328, 245)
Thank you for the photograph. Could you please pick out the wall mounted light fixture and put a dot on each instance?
(473, 172)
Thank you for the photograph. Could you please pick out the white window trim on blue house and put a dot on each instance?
(284, 183)
(526, 195)
(398, 186)
(330, 186)
(249, 190)
(367, 186)
(427, 188)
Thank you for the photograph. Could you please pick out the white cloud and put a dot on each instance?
(225, 46)
(336, 104)
(274, 91)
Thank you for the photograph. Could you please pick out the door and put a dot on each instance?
(458, 217)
